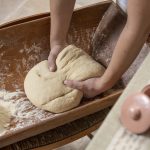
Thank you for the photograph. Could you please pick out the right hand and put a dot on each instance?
(55, 50)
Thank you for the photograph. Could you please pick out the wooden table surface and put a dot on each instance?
(11, 10)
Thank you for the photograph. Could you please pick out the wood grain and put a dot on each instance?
(63, 134)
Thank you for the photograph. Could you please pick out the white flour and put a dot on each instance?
(25, 113)
(6, 111)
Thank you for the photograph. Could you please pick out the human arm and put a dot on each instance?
(127, 48)
(61, 12)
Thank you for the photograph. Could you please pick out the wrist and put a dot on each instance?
(57, 47)
(111, 76)
(104, 83)
(57, 43)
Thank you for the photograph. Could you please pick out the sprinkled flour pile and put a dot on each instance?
(25, 113)
(6, 112)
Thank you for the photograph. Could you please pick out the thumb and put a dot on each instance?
(74, 84)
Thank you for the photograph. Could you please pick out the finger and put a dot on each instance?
(74, 84)
(52, 62)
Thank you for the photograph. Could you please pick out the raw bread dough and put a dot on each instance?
(5, 116)
(46, 90)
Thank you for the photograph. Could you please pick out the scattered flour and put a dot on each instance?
(1, 43)
(25, 113)
(6, 112)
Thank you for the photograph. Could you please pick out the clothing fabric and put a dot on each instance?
(122, 4)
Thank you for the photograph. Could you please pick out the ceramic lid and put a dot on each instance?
(135, 113)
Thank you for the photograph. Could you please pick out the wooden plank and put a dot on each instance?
(47, 14)
(62, 133)
(70, 139)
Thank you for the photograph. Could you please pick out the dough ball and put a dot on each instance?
(46, 90)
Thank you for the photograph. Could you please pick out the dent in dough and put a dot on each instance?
(46, 90)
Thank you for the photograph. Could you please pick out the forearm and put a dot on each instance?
(130, 41)
(126, 50)
(61, 12)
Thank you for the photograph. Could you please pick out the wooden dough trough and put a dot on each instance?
(25, 42)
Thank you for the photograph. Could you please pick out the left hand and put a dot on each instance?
(90, 87)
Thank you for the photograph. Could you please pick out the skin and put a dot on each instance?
(61, 12)
(127, 48)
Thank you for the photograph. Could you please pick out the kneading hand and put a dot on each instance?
(55, 50)
(90, 87)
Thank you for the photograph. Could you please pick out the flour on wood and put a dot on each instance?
(6, 112)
